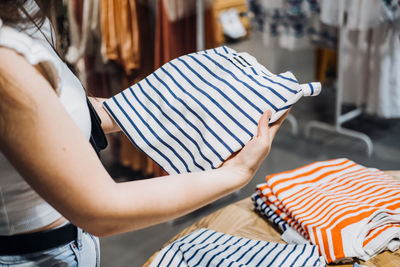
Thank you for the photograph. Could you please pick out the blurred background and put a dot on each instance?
(351, 47)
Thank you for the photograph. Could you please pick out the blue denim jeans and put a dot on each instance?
(84, 251)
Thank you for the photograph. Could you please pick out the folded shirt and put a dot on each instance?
(205, 247)
(267, 211)
(346, 209)
(266, 195)
(197, 110)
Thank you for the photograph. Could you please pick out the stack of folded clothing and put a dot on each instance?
(209, 248)
(197, 110)
(348, 210)
(269, 212)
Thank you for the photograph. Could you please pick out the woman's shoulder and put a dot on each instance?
(14, 42)
(16, 39)
(14, 69)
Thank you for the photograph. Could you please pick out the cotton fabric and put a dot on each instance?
(85, 31)
(362, 14)
(178, 9)
(209, 248)
(371, 61)
(292, 24)
(370, 53)
(270, 213)
(197, 110)
(346, 209)
(120, 33)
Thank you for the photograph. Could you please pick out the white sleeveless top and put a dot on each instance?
(21, 208)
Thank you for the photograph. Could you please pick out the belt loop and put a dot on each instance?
(79, 238)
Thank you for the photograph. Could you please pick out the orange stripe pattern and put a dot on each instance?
(346, 209)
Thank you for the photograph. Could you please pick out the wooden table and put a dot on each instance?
(239, 219)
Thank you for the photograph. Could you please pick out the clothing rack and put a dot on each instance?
(200, 24)
(339, 117)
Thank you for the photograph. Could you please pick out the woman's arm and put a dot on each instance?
(107, 123)
(40, 139)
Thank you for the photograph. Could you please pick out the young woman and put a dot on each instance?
(55, 195)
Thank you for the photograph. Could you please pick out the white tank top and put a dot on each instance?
(21, 208)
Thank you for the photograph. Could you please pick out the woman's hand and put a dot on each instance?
(107, 122)
(249, 158)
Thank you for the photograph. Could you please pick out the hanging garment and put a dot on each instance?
(231, 24)
(120, 33)
(84, 49)
(173, 38)
(179, 9)
(85, 32)
(292, 24)
(209, 248)
(325, 64)
(196, 111)
(369, 55)
(355, 65)
(370, 67)
(383, 91)
(344, 208)
(361, 14)
(75, 21)
(126, 154)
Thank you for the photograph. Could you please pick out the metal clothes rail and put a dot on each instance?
(339, 117)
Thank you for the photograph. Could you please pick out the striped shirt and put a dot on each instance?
(209, 248)
(197, 110)
(344, 208)
(268, 212)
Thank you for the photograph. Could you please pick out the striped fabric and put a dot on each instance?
(344, 208)
(208, 248)
(197, 110)
(265, 193)
(268, 212)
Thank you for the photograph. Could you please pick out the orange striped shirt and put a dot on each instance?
(346, 209)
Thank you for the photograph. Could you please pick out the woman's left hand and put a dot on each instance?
(250, 157)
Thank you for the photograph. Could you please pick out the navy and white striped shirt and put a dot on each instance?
(209, 248)
(262, 208)
(289, 235)
(197, 110)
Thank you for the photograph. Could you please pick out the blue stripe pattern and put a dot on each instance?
(205, 247)
(268, 213)
(170, 134)
(197, 110)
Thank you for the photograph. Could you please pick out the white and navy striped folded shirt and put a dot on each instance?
(197, 110)
(209, 248)
(265, 211)
(289, 235)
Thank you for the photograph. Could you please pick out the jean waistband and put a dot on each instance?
(35, 242)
